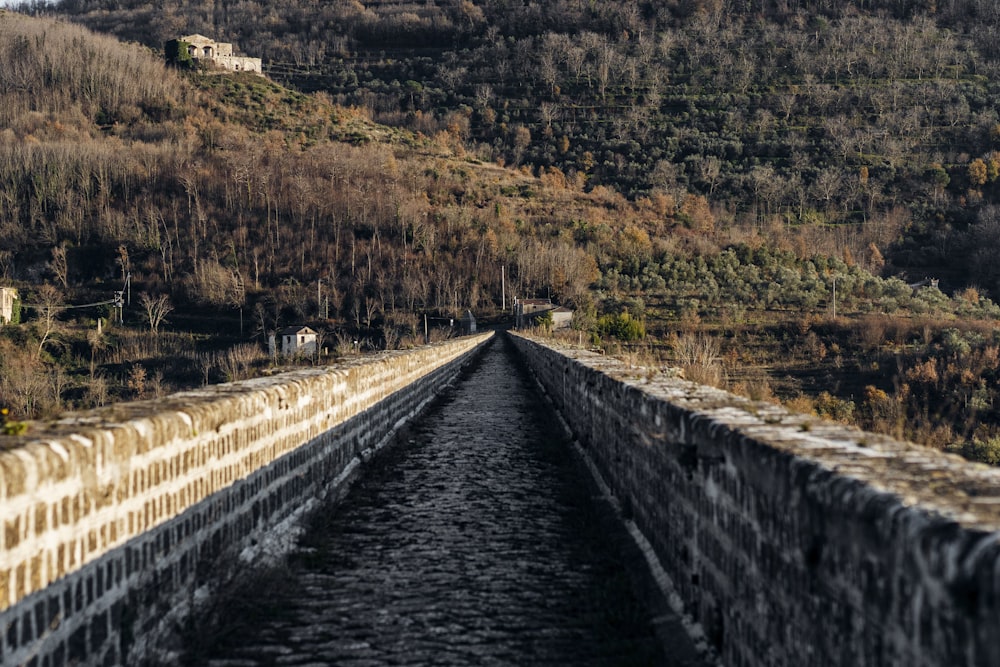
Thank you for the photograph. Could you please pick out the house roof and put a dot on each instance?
(296, 330)
(535, 302)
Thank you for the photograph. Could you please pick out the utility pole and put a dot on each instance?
(503, 291)
(119, 306)
(835, 297)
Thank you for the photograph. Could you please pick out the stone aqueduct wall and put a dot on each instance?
(791, 541)
(113, 522)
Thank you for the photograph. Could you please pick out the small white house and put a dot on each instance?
(7, 297)
(298, 340)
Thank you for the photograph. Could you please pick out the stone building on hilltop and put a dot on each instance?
(201, 49)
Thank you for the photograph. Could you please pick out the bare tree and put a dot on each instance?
(549, 113)
(391, 336)
(828, 183)
(24, 387)
(50, 304)
(483, 95)
(522, 140)
(123, 261)
(59, 265)
(95, 338)
(97, 390)
(709, 169)
(155, 310)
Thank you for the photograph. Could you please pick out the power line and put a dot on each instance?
(82, 305)
(118, 301)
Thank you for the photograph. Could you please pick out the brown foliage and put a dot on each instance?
(98, 76)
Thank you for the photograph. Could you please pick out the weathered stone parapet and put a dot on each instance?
(791, 540)
(109, 518)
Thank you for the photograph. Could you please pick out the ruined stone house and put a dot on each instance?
(220, 54)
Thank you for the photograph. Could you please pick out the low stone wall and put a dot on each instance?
(114, 522)
(790, 540)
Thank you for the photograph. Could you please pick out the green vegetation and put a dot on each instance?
(178, 53)
(15, 313)
(622, 327)
(985, 451)
(545, 321)
(8, 426)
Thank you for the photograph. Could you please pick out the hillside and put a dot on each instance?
(240, 201)
(878, 116)
(235, 206)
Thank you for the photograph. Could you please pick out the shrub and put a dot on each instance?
(622, 327)
(954, 343)
(834, 408)
(984, 451)
(10, 426)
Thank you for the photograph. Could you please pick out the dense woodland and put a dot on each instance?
(703, 176)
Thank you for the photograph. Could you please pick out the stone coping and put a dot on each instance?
(946, 484)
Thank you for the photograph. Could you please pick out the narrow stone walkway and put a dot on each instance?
(477, 540)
